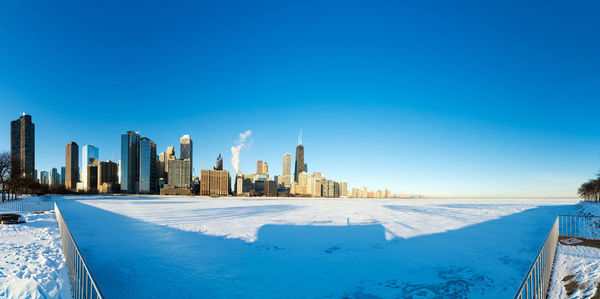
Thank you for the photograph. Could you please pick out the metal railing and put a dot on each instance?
(26, 206)
(537, 280)
(587, 227)
(83, 284)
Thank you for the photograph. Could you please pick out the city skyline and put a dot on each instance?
(145, 171)
(421, 99)
(187, 137)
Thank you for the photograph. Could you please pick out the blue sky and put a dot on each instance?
(421, 97)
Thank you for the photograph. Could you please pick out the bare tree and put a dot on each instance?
(590, 190)
(4, 174)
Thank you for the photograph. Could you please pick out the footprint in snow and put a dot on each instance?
(334, 249)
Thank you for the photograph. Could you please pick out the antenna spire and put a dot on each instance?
(300, 137)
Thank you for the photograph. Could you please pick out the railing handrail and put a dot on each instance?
(26, 206)
(520, 290)
(581, 216)
(541, 281)
(89, 274)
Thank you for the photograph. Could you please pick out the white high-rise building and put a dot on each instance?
(343, 189)
(239, 183)
(287, 170)
(89, 153)
(287, 164)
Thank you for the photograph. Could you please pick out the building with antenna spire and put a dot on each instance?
(299, 167)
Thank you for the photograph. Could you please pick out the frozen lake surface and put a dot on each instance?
(177, 247)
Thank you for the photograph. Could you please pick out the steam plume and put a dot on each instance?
(235, 150)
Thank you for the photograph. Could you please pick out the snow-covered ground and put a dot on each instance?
(577, 265)
(31, 259)
(176, 247)
(576, 272)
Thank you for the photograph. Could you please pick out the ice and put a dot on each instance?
(176, 247)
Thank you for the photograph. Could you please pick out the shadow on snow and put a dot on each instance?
(136, 259)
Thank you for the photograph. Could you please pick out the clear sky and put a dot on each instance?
(445, 98)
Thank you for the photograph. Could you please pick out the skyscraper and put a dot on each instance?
(239, 183)
(71, 165)
(299, 167)
(54, 177)
(287, 164)
(148, 178)
(22, 147)
(285, 179)
(44, 178)
(89, 153)
(344, 188)
(178, 170)
(259, 167)
(265, 169)
(169, 155)
(186, 150)
(62, 175)
(130, 162)
(161, 173)
(108, 176)
(219, 165)
(92, 175)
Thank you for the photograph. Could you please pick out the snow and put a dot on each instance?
(31, 259)
(177, 247)
(580, 262)
(587, 208)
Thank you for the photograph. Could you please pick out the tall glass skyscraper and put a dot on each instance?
(89, 153)
(63, 172)
(54, 177)
(186, 151)
(148, 177)
(44, 178)
(130, 162)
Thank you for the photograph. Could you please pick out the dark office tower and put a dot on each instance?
(186, 151)
(299, 167)
(62, 175)
(219, 165)
(22, 147)
(108, 177)
(148, 177)
(71, 165)
(92, 176)
(130, 162)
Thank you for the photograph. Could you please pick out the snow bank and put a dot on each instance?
(199, 247)
(31, 259)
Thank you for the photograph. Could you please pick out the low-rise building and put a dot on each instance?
(214, 182)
